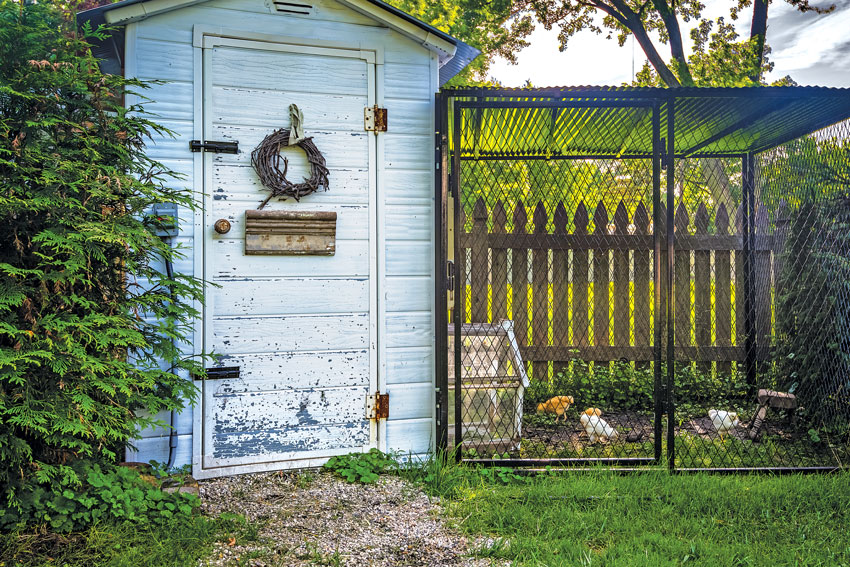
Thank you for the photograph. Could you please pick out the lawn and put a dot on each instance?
(654, 518)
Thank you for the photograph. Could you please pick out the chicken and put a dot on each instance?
(595, 426)
(723, 421)
(593, 411)
(557, 405)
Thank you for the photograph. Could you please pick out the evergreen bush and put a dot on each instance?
(86, 315)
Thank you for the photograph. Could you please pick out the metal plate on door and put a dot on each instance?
(290, 233)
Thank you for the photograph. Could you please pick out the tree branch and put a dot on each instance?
(630, 19)
(677, 49)
(758, 31)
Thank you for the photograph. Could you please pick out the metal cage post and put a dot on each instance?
(671, 353)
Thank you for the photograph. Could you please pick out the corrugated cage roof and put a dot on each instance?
(617, 121)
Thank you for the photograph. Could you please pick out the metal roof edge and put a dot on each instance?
(450, 63)
(601, 91)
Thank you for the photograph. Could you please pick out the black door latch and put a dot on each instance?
(216, 147)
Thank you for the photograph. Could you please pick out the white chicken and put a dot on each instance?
(723, 421)
(597, 428)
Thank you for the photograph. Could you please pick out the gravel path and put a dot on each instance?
(317, 519)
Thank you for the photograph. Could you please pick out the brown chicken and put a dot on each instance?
(557, 405)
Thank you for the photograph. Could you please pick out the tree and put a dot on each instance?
(496, 27)
(718, 58)
(86, 314)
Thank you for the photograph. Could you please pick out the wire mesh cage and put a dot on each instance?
(674, 269)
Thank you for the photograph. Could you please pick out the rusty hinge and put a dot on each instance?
(378, 406)
(375, 119)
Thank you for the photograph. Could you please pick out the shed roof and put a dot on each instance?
(454, 54)
(617, 121)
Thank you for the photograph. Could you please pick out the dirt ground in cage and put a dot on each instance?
(781, 441)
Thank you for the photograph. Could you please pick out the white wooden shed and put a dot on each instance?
(309, 339)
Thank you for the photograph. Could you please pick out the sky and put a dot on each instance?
(812, 49)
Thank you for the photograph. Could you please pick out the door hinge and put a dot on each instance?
(216, 147)
(378, 406)
(375, 119)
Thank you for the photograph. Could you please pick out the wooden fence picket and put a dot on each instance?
(540, 291)
(702, 288)
(519, 276)
(600, 280)
(580, 270)
(560, 288)
(478, 263)
(500, 266)
(642, 298)
(723, 290)
(622, 308)
(682, 281)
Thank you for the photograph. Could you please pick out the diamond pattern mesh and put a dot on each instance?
(561, 297)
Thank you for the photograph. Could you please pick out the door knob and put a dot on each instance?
(222, 226)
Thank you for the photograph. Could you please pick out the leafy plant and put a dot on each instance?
(105, 493)
(500, 475)
(363, 468)
(86, 316)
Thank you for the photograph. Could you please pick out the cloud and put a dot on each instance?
(804, 41)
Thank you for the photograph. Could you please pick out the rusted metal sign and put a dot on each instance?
(290, 233)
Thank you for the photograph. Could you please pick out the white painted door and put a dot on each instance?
(301, 329)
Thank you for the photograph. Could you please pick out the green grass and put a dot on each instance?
(654, 518)
(172, 544)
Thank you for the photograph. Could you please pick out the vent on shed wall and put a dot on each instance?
(289, 7)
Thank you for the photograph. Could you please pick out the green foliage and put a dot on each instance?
(86, 316)
(105, 494)
(497, 28)
(813, 310)
(498, 475)
(362, 468)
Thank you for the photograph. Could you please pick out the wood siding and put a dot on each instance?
(160, 48)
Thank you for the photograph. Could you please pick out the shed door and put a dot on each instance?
(301, 329)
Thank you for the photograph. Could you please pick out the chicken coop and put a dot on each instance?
(493, 381)
(672, 261)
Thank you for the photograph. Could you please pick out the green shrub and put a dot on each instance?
(86, 316)
(105, 494)
(812, 343)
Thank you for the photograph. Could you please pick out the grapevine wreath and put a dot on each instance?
(266, 161)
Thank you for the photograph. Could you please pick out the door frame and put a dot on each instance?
(448, 193)
(205, 38)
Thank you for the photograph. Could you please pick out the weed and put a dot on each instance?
(363, 468)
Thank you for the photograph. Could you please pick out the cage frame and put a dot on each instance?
(765, 118)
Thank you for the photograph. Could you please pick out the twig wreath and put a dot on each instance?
(266, 161)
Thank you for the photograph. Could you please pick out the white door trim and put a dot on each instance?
(206, 38)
